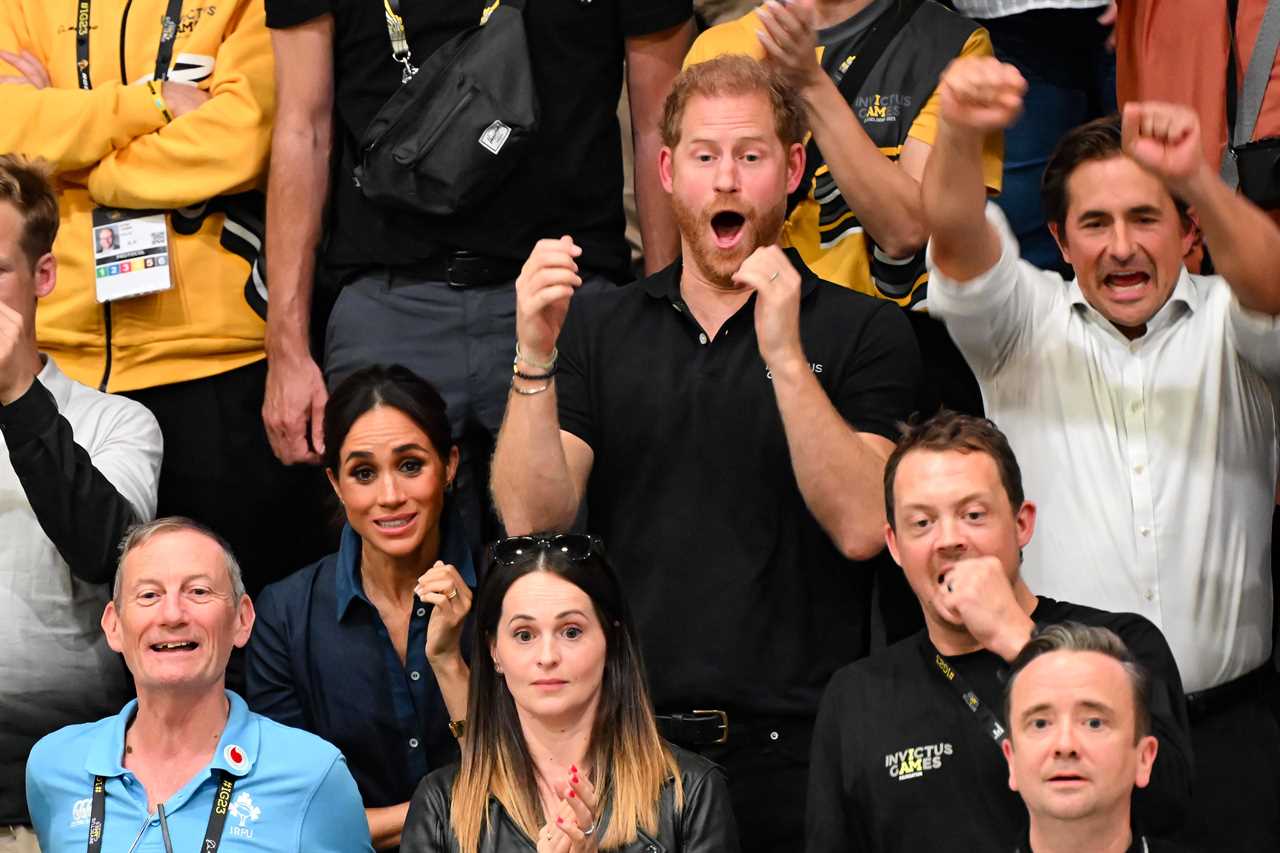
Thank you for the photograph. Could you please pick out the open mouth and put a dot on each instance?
(395, 523)
(727, 226)
(1121, 281)
(1067, 779)
(175, 646)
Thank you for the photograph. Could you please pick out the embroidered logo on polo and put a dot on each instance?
(813, 365)
(243, 809)
(80, 812)
(916, 761)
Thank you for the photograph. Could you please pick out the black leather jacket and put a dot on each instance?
(704, 825)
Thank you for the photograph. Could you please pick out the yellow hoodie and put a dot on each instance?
(112, 146)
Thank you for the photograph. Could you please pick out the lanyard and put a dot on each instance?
(957, 682)
(164, 53)
(212, 833)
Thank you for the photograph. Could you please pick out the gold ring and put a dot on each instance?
(453, 593)
(775, 275)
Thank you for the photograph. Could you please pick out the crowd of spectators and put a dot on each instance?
(907, 482)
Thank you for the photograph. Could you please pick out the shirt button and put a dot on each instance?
(773, 735)
(1137, 469)
(422, 611)
(1136, 406)
(1148, 595)
(415, 675)
(702, 337)
(1145, 531)
(413, 743)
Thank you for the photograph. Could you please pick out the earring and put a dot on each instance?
(497, 667)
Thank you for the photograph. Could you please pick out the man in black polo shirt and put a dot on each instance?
(726, 421)
(436, 293)
(907, 748)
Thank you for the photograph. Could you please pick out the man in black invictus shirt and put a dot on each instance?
(906, 751)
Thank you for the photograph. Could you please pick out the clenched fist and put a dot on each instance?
(1164, 139)
(543, 290)
(981, 94)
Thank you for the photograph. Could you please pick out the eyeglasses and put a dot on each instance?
(575, 546)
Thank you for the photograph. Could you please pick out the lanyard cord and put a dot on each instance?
(212, 834)
(164, 53)
(967, 695)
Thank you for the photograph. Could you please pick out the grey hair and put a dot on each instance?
(141, 534)
(1074, 637)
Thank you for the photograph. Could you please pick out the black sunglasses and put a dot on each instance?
(575, 546)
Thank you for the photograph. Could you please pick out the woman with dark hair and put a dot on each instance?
(561, 749)
(362, 648)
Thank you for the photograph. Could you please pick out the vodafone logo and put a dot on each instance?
(235, 756)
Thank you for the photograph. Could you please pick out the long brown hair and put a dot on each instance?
(631, 762)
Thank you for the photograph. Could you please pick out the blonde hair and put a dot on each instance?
(631, 762)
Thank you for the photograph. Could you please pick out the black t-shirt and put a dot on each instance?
(571, 182)
(1140, 844)
(743, 602)
(895, 710)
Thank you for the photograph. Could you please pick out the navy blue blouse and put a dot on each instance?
(321, 659)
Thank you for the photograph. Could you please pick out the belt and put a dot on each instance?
(1251, 685)
(694, 729)
(467, 269)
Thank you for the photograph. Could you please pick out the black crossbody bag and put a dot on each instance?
(460, 124)
(1252, 166)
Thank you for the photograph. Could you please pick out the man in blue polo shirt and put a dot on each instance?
(187, 766)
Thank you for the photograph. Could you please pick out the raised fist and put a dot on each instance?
(1164, 139)
(981, 93)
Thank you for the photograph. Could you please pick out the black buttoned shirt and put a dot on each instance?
(743, 602)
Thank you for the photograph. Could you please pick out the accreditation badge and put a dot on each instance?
(130, 253)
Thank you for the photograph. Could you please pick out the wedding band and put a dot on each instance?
(949, 587)
(775, 275)
(453, 593)
(586, 833)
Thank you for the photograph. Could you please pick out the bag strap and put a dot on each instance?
(1244, 106)
(883, 29)
(400, 51)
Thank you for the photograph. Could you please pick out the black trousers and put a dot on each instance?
(219, 470)
(767, 762)
(1235, 797)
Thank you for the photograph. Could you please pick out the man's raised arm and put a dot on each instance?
(1165, 140)
(979, 96)
(540, 472)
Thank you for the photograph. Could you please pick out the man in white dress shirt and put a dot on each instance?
(1143, 398)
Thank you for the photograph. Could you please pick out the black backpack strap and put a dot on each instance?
(883, 29)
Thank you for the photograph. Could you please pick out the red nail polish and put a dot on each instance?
(573, 768)
(559, 820)
(571, 793)
(575, 780)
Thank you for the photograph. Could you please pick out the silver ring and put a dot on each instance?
(586, 833)
(949, 587)
(453, 593)
(775, 275)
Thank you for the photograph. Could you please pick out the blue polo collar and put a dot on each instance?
(236, 753)
(453, 550)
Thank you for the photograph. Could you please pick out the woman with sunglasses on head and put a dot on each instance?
(561, 751)
(347, 648)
